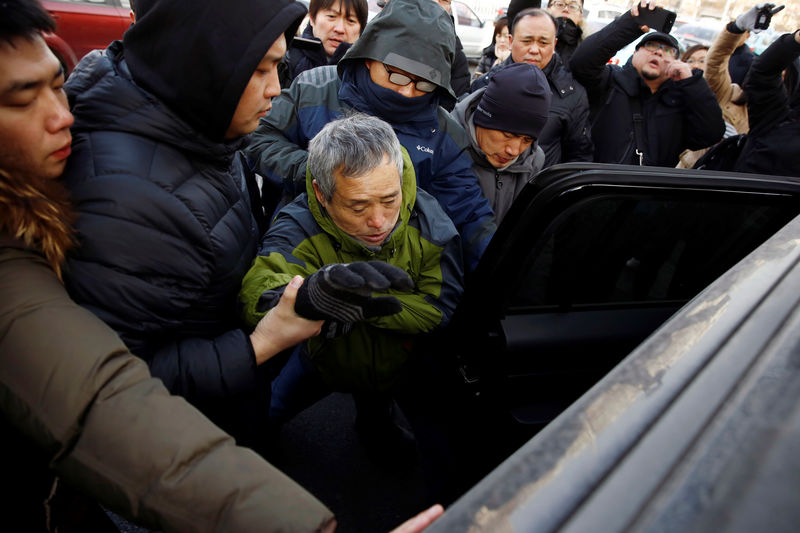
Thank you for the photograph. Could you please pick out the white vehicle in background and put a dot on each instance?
(475, 34)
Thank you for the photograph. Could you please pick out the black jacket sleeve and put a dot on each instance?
(767, 100)
(459, 72)
(589, 62)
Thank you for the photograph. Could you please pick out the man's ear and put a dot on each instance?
(318, 194)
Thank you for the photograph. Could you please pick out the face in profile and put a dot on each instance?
(365, 207)
(34, 117)
(256, 100)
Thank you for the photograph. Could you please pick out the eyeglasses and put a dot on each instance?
(668, 49)
(571, 6)
(403, 80)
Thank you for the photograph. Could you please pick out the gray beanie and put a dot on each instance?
(517, 100)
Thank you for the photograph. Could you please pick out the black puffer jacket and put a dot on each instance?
(773, 143)
(565, 137)
(569, 36)
(165, 223)
(307, 53)
(679, 115)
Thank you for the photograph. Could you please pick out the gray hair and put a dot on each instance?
(353, 145)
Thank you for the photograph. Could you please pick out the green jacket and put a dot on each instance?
(303, 238)
(77, 404)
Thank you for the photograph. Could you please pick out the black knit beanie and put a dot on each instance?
(517, 100)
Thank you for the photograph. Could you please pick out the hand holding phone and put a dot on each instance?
(658, 19)
(757, 18)
(765, 16)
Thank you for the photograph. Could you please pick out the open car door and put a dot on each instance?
(589, 261)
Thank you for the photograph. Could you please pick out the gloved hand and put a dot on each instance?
(343, 292)
(749, 20)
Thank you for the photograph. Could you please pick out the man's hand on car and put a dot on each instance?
(343, 291)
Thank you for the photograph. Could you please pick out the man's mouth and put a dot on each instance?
(376, 239)
(63, 152)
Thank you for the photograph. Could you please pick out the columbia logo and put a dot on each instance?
(482, 110)
(424, 149)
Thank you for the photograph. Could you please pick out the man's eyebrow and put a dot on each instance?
(27, 85)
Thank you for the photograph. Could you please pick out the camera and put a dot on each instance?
(764, 16)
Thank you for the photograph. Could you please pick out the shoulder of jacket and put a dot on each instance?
(318, 76)
(434, 224)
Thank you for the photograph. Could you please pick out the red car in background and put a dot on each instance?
(85, 25)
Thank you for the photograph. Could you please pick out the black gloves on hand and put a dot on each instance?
(343, 292)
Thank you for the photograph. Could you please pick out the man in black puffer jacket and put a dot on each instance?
(165, 224)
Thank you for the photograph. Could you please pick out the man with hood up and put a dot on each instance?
(165, 223)
(504, 121)
(399, 71)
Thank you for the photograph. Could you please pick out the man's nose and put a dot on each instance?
(409, 91)
(59, 118)
(375, 219)
(339, 26)
(273, 87)
(513, 147)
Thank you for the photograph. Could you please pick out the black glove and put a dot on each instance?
(342, 292)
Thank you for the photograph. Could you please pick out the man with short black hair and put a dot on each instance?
(565, 137)
(650, 110)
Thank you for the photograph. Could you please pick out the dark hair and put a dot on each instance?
(532, 12)
(357, 7)
(692, 49)
(23, 18)
(501, 23)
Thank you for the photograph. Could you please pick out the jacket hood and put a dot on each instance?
(197, 56)
(350, 244)
(526, 162)
(103, 97)
(417, 36)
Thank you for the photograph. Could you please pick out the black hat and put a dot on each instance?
(661, 38)
(517, 100)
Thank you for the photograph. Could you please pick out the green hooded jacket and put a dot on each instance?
(424, 243)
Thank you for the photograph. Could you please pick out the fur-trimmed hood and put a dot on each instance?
(37, 213)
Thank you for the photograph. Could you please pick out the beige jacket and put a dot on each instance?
(719, 79)
(83, 406)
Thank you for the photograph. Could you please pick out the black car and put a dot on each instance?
(697, 427)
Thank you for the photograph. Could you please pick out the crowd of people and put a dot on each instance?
(213, 223)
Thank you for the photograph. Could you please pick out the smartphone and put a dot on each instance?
(658, 19)
(765, 16)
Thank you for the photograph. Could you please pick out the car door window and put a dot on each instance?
(643, 248)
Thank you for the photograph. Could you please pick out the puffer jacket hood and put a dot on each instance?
(198, 56)
(104, 97)
(413, 35)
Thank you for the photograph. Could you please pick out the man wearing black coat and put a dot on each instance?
(565, 136)
(674, 107)
(773, 143)
(165, 223)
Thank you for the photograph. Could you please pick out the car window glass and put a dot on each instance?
(465, 15)
(624, 249)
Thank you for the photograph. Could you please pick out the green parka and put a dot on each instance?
(424, 243)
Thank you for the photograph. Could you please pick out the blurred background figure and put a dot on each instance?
(497, 51)
(570, 27)
(695, 56)
(333, 25)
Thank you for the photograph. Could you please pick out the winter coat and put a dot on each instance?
(679, 115)
(773, 144)
(77, 404)
(718, 76)
(434, 141)
(486, 62)
(305, 53)
(565, 136)
(165, 221)
(459, 74)
(741, 60)
(569, 35)
(501, 186)
(371, 356)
